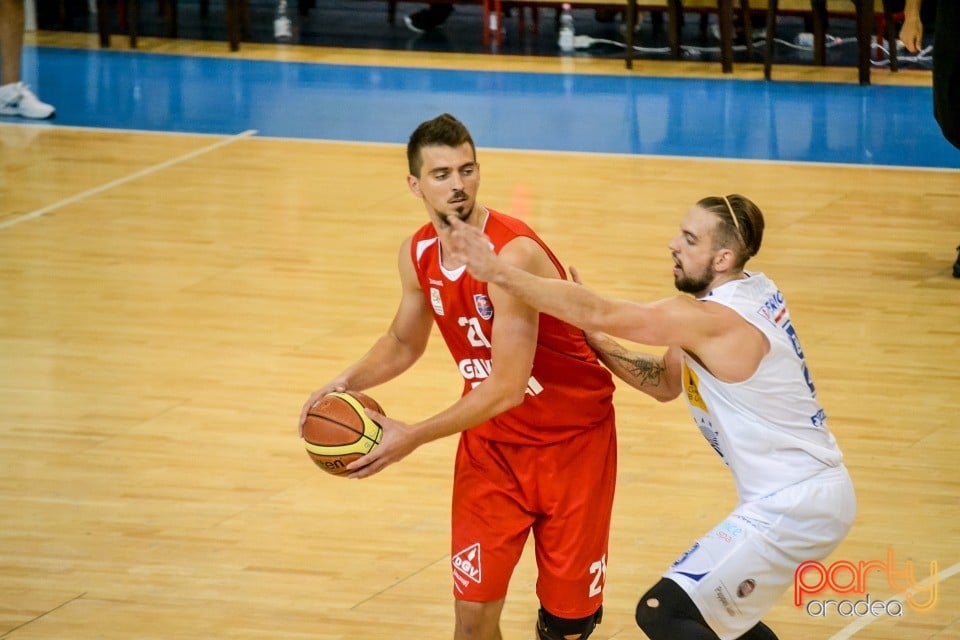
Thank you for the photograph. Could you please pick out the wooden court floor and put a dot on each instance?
(168, 301)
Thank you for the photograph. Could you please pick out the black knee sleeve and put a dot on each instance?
(666, 612)
(550, 627)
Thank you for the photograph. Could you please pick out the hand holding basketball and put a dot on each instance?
(333, 387)
(397, 442)
(337, 430)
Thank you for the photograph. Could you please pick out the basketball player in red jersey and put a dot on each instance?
(536, 404)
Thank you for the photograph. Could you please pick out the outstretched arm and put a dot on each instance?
(657, 376)
(673, 321)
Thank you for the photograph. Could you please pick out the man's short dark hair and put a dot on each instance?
(444, 131)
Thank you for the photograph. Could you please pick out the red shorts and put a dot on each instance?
(563, 492)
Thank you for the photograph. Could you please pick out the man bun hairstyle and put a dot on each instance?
(739, 227)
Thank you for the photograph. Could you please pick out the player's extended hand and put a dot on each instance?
(911, 33)
(316, 395)
(473, 248)
(396, 443)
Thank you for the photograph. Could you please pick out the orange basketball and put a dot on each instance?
(337, 431)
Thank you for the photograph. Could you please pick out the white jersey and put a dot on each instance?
(769, 429)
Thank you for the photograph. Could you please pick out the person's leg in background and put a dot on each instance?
(16, 99)
(946, 78)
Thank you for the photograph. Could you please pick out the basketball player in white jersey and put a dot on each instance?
(734, 353)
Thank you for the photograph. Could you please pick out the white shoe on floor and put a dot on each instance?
(16, 99)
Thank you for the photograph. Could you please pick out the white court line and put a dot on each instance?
(651, 156)
(133, 176)
(639, 156)
(851, 629)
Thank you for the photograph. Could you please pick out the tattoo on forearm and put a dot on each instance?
(647, 370)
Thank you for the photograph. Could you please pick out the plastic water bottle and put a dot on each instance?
(566, 39)
(282, 27)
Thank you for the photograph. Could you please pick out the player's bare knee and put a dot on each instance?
(475, 630)
(477, 620)
(551, 627)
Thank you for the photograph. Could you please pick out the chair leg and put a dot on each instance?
(747, 25)
(891, 38)
(233, 24)
(245, 31)
(392, 12)
(819, 31)
(169, 8)
(133, 21)
(631, 24)
(771, 33)
(726, 35)
(674, 12)
(864, 31)
(103, 22)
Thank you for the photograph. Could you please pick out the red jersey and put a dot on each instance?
(569, 391)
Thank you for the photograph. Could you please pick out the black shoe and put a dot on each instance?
(429, 18)
(408, 20)
(956, 265)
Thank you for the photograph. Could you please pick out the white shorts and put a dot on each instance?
(739, 570)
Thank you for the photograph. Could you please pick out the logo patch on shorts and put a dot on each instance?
(467, 563)
(746, 587)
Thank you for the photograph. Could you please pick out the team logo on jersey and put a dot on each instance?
(467, 563)
(484, 308)
(691, 385)
(436, 301)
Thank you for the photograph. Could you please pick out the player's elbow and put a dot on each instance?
(663, 395)
(513, 397)
(665, 392)
(507, 395)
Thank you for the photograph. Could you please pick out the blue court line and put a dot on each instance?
(715, 118)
